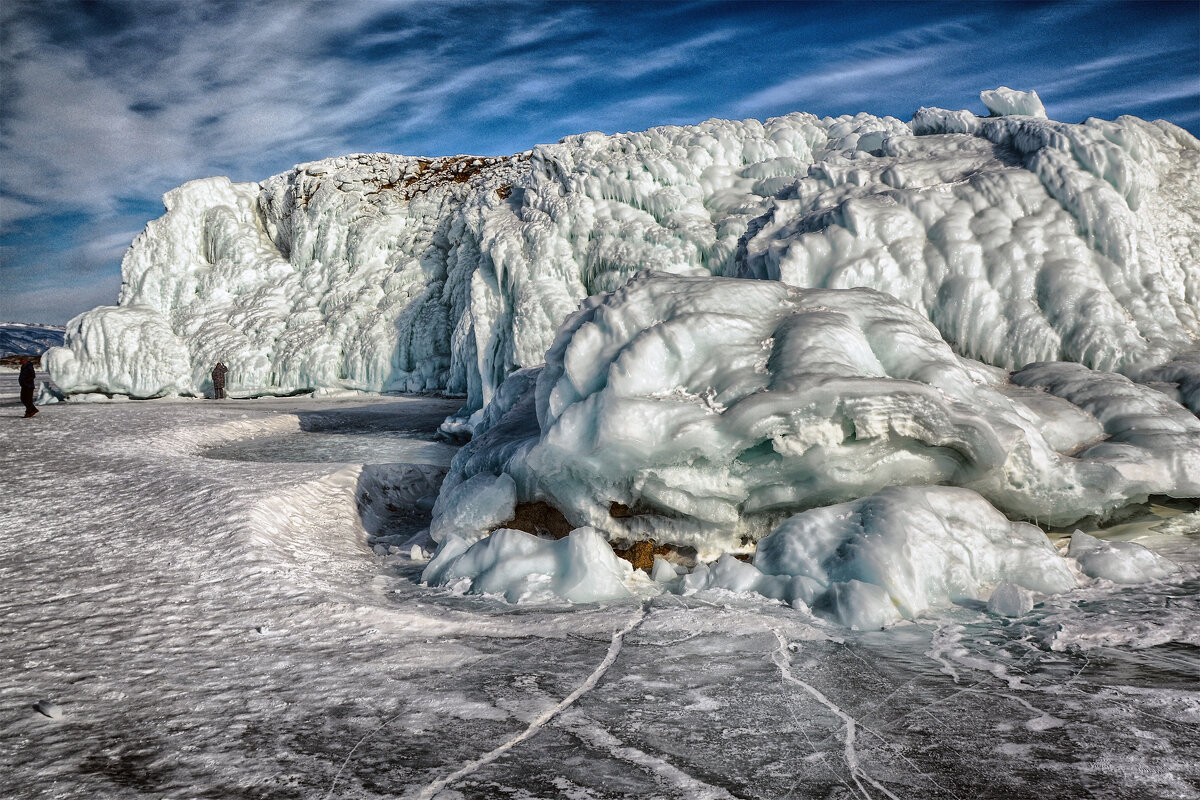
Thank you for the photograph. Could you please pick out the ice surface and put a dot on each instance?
(1022, 239)
(220, 629)
(701, 412)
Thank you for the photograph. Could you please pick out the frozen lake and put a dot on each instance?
(220, 627)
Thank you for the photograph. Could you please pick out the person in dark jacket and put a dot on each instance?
(218, 378)
(27, 383)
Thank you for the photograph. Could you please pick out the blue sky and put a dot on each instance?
(104, 106)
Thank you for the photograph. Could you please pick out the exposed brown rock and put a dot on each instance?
(641, 554)
(540, 519)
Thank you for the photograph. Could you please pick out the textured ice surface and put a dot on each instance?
(1022, 239)
(219, 629)
(701, 412)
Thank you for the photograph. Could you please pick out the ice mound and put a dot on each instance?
(896, 554)
(1119, 562)
(701, 412)
(127, 349)
(580, 568)
(1020, 238)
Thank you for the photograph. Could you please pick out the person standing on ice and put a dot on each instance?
(27, 381)
(218, 378)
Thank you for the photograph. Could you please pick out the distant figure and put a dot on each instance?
(218, 376)
(27, 382)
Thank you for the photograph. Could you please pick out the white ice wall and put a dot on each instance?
(1020, 238)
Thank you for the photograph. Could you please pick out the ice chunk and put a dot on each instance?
(735, 576)
(663, 571)
(1010, 600)
(48, 708)
(1005, 101)
(1119, 562)
(581, 567)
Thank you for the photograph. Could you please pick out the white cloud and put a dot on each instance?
(845, 79)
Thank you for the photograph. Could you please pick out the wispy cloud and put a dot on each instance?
(852, 80)
(106, 104)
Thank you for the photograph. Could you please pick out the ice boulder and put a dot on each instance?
(1005, 101)
(922, 546)
(1119, 562)
(580, 568)
(701, 412)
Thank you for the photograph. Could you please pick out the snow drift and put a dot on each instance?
(1020, 238)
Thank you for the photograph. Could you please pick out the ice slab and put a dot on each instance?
(1119, 562)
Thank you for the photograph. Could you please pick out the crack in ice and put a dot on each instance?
(614, 649)
(591, 733)
(849, 753)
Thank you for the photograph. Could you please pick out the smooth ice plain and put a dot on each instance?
(212, 627)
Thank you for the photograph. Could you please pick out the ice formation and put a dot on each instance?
(898, 553)
(580, 568)
(1022, 239)
(700, 412)
(711, 337)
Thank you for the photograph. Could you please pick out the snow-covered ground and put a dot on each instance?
(213, 626)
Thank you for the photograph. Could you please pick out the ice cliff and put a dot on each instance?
(1020, 238)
